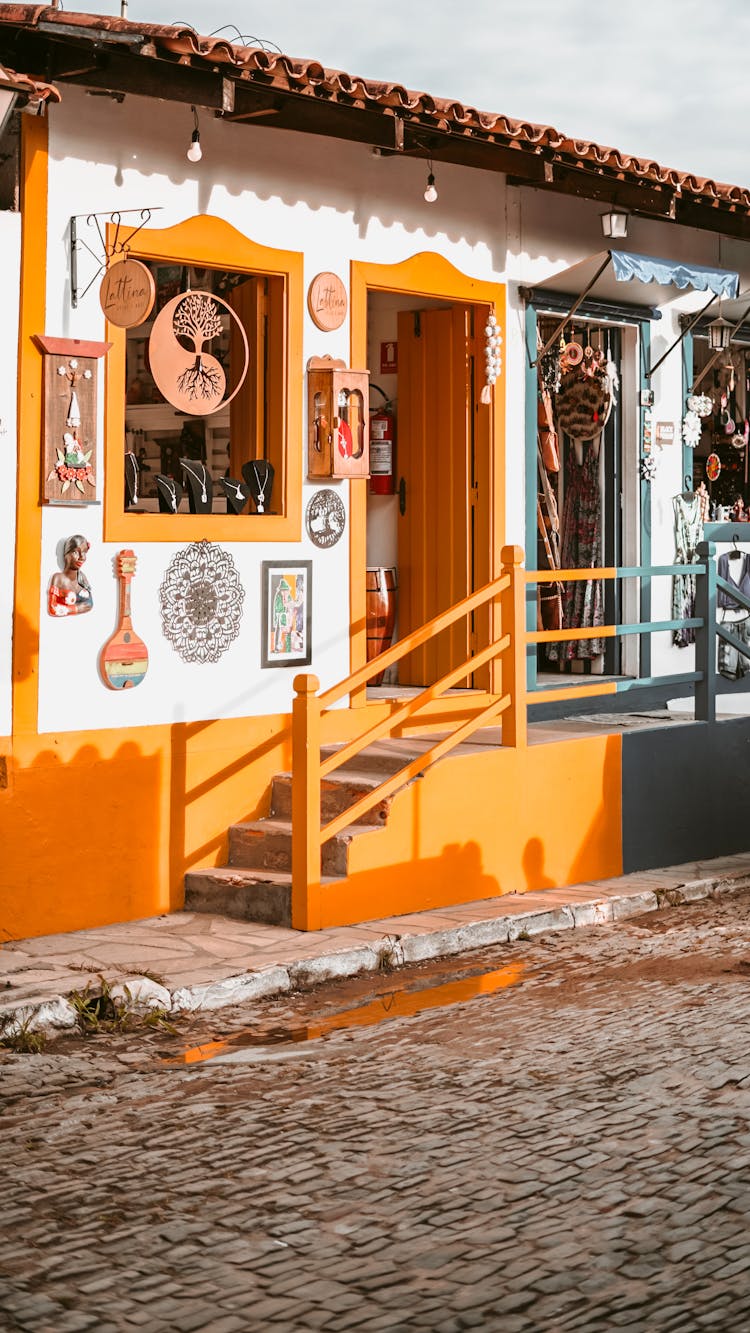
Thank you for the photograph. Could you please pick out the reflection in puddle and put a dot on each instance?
(391, 1004)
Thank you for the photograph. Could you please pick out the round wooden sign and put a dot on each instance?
(326, 301)
(127, 293)
(185, 372)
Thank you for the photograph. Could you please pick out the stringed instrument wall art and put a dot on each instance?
(124, 658)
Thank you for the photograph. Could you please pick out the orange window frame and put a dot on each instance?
(210, 242)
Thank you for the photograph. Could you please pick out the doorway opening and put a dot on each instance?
(429, 496)
(587, 493)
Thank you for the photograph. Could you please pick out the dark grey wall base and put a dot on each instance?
(685, 793)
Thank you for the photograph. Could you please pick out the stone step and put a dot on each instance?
(244, 895)
(337, 794)
(382, 759)
(266, 844)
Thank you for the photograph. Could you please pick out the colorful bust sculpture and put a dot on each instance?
(69, 592)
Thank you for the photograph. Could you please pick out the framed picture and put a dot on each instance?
(287, 604)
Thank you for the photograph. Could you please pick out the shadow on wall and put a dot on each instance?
(456, 876)
(81, 842)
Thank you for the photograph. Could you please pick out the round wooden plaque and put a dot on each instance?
(127, 293)
(185, 372)
(327, 302)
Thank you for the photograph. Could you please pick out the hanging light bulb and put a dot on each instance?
(430, 193)
(195, 152)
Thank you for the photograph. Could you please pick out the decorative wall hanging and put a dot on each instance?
(337, 419)
(201, 602)
(584, 399)
(69, 419)
(647, 468)
(327, 302)
(127, 293)
(287, 605)
(493, 356)
(123, 660)
(258, 474)
(69, 592)
(187, 375)
(713, 467)
(325, 518)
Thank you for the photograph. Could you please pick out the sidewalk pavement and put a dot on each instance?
(195, 960)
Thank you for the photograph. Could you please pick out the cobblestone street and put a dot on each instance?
(571, 1152)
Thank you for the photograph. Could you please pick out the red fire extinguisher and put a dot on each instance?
(382, 447)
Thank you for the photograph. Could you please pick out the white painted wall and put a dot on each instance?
(334, 201)
(10, 248)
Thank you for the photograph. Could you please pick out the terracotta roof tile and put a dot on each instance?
(293, 75)
(31, 89)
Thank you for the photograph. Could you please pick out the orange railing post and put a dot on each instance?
(306, 847)
(513, 615)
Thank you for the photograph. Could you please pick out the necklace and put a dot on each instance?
(131, 458)
(171, 490)
(236, 487)
(260, 497)
(200, 480)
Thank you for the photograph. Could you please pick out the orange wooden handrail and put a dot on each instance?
(407, 710)
(415, 640)
(308, 770)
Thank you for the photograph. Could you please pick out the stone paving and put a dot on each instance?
(570, 1153)
(207, 961)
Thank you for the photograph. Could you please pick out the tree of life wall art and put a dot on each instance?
(287, 607)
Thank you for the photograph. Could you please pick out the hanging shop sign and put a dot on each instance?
(123, 660)
(327, 301)
(325, 519)
(69, 441)
(127, 293)
(185, 372)
(201, 602)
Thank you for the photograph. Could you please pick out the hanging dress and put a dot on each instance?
(688, 528)
(583, 606)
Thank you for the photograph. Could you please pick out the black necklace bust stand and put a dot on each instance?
(170, 494)
(200, 489)
(258, 474)
(237, 494)
(132, 478)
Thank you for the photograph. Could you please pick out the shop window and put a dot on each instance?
(169, 468)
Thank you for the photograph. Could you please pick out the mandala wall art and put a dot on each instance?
(201, 602)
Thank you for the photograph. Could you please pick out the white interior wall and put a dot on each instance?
(10, 248)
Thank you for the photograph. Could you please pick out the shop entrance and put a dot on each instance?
(428, 526)
(585, 511)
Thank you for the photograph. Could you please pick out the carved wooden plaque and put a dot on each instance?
(69, 443)
(185, 371)
(327, 301)
(127, 293)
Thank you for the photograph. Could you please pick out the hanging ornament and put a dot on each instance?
(691, 429)
(647, 468)
(493, 361)
(700, 403)
(713, 466)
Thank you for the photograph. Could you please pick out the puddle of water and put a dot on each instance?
(392, 1004)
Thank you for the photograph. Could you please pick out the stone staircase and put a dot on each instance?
(256, 885)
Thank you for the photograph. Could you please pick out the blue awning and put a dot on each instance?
(672, 273)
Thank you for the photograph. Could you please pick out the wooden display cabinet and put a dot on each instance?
(338, 431)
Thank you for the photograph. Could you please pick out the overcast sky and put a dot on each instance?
(658, 78)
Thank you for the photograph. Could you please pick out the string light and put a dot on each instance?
(430, 193)
(195, 152)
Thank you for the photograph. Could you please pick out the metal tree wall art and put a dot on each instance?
(190, 377)
(201, 602)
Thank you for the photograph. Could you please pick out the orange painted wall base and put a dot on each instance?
(502, 821)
